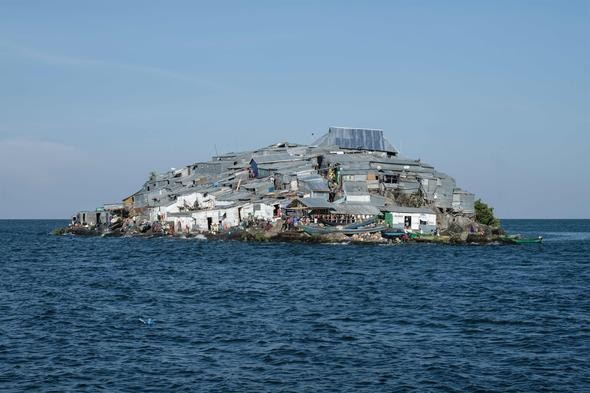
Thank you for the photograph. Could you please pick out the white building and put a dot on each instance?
(413, 219)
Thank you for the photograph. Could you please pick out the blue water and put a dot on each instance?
(231, 316)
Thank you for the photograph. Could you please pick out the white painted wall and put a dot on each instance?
(154, 211)
(201, 216)
(205, 202)
(184, 222)
(399, 219)
(197, 221)
(231, 218)
(264, 212)
(201, 223)
(181, 201)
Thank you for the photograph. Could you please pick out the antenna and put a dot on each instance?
(216, 153)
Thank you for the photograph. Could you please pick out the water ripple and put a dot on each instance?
(233, 316)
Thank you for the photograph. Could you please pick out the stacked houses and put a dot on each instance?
(348, 174)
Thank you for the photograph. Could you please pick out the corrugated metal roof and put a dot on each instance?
(316, 203)
(355, 138)
(295, 169)
(377, 200)
(313, 182)
(355, 188)
(356, 169)
(356, 209)
(345, 158)
(375, 160)
(278, 157)
(236, 196)
(315, 185)
(285, 166)
(461, 191)
(405, 209)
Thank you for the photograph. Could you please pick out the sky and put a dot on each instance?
(96, 95)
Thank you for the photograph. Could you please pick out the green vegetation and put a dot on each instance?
(485, 214)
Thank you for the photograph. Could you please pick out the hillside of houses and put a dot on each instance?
(349, 175)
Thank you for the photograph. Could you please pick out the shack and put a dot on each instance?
(356, 191)
(346, 213)
(411, 219)
(306, 206)
(93, 218)
(314, 186)
(463, 201)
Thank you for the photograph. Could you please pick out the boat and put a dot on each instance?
(316, 230)
(328, 223)
(361, 224)
(351, 226)
(393, 233)
(517, 239)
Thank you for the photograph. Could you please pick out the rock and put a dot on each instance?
(334, 238)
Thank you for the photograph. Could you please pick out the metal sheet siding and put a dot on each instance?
(356, 138)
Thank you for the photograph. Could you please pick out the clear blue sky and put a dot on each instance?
(95, 95)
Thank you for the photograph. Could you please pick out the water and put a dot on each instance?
(230, 316)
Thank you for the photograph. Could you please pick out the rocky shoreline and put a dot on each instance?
(276, 232)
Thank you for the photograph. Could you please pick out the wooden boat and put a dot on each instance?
(516, 239)
(351, 226)
(329, 223)
(361, 224)
(314, 230)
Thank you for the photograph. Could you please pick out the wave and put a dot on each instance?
(563, 236)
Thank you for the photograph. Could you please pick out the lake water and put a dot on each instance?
(231, 316)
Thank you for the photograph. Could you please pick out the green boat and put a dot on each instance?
(516, 239)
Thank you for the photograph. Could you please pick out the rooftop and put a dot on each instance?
(356, 139)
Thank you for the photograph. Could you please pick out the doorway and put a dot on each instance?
(408, 222)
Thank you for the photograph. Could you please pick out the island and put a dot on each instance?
(350, 185)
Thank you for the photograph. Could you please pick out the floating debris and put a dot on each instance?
(148, 322)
